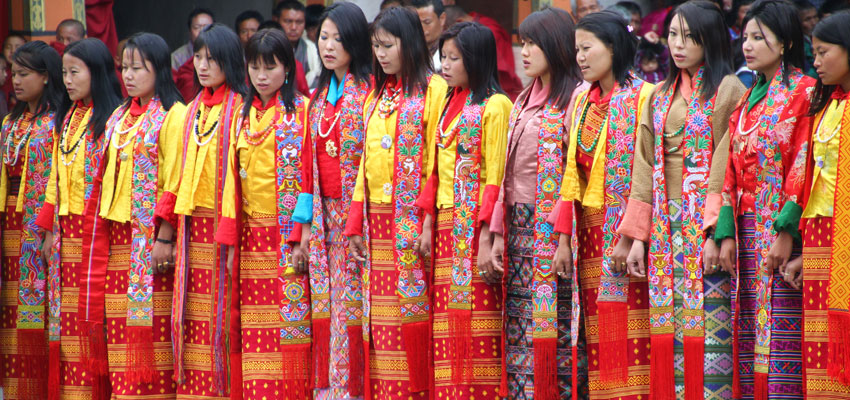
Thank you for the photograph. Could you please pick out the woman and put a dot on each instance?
(682, 136)
(205, 317)
(470, 148)
(265, 171)
(826, 314)
(331, 160)
(401, 122)
(597, 177)
(539, 363)
(36, 78)
(134, 228)
(89, 72)
(759, 220)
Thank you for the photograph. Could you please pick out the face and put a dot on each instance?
(809, 17)
(12, 43)
(247, 29)
(28, 84)
(831, 62)
(293, 24)
(762, 49)
(3, 74)
(200, 22)
(68, 34)
(267, 79)
(742, 12)
(451, 62)
(594, 58)
(138, 73)
(648, 65)
(77, 78)
(209, 72)
(635, 22)
(432, 24)
(584, 7)
(387, 49)
(533, 60)
(687, 54)
(334, 56)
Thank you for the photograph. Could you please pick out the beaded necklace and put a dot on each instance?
(11, 138)
(63, 145)
(198, 136)
(388, 102)
(256, 138)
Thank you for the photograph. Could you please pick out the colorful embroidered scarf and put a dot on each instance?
(414, 305)
(697, 145)
(609, 186)
(838, 301)
(224, 321)
(351, 130)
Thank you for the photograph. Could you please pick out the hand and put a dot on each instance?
(792, 272)
(162, 256)
(47, 247)
(636, 261)
(357, 248)
(780, 252)
(651, 37)
(497, 252)
(486, 267)
(621, 253)
(231, 253)
(300, 259)
(710, 257)
(422, 244)
(563, 261)
(729, 256)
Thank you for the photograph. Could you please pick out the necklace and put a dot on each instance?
(330, 128)
(118, 146)
(831, 135)
(588, 148)
(63, 144)
(741, 130)
(256, 138)
(443, 142)
(388, 103)
(198, 136)
(10, 139)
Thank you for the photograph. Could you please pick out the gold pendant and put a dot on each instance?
(123, 156)
(330, 148)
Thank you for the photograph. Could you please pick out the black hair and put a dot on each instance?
(81, 29)
(404, 24)
(781, 18)
(648, 49)
(631, 6)
(833, 6)
(834, 29)
(270, 24)
(803, 5)
(611, 30)
(732, 15)
(289, 5)
(225, 48)
(354, 36)
(552, 30)
(477, 45)
(246, 15)
(266, 46)
(438, 5)
(153, 48)
(105, 89)
(38, 57)
(709, 30)
(17, 35)
(387, 3)
(313, 15)
(3, 59)
(196, 12)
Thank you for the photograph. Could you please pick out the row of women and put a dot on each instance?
(404, 235)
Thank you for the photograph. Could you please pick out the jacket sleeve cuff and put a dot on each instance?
(725, 224)
(713, 203)
(295, 234)
(637, 221)
(354, 226)
(488, 203)
(561, 217)
(497, 221)
(789, 221)
(303, 209)
(227, 233)
(428, 195)
(45, 217)
(164, 210)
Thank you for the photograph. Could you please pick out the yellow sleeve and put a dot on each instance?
(359, 194)
(4, 176)
(171, 149)
(435, 99)
(494, 139)
(50, 195)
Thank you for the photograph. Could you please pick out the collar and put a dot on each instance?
(211, 98)
(759, 92)
(335, 90)
(539, 93)
(686, 85)
(136, 108)
(257, 103)
(595, 93)
(82, 105)
(455, 106)
(839, 94)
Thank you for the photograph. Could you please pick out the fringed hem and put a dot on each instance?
(416, 341)
(321, 352)
(460, 331)
(662, 368)
(545, 368)
(140, 355)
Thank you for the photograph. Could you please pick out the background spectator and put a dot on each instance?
(584, 7)
(198, 19)
(312, 14)
(432, 16)
(291, 15)
(247, 24)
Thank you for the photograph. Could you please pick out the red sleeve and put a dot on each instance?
(301, 79)
(165, 209)
(45, 217)
(491, 196)
(100, 23)
(428, 195)
(562, 217)
(295, 234)
(354, 226)
(228, 232)
(307, 162)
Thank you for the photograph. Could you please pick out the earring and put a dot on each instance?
(45, 82)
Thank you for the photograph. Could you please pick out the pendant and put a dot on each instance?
(243, 173)
(820, 162)
(386, 142)
(388, 189)
(123, 156)
(330, 148)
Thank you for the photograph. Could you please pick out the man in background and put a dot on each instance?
(291, 15)
(70, 31)
(247, 24)
(199, 18)
(584, 7)
(432, 16)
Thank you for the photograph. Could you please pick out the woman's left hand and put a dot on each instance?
(780, 252)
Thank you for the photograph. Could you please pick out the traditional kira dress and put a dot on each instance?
(205, 319)
(27, 155)
(330, 160)
(470, 145)
(763, 193)
(397, 159)
(141, 166)
(76, 160)
(597, 178)
(689, 315)
(826, 271)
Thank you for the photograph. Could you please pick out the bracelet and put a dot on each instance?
(165, 241)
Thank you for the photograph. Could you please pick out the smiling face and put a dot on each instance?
(762, 49)
(209, 72)
(333, 54)
(594, 58)
(387, 50)
(831, 62)
(451, 62)
(138, 74)
(687, 54)
(77, 78)
(266, 78)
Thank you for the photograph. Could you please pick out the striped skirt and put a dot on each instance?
(74, 383)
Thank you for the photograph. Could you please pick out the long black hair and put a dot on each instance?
(477, 45)
(153, 48)
(354, 36)
(403, 23)
(834, 29)
(225, 48)
(264, 47)
(709, 30)
(781, 17)
(105, 89)
(42, 59)
(610, 28)
(553, 31)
